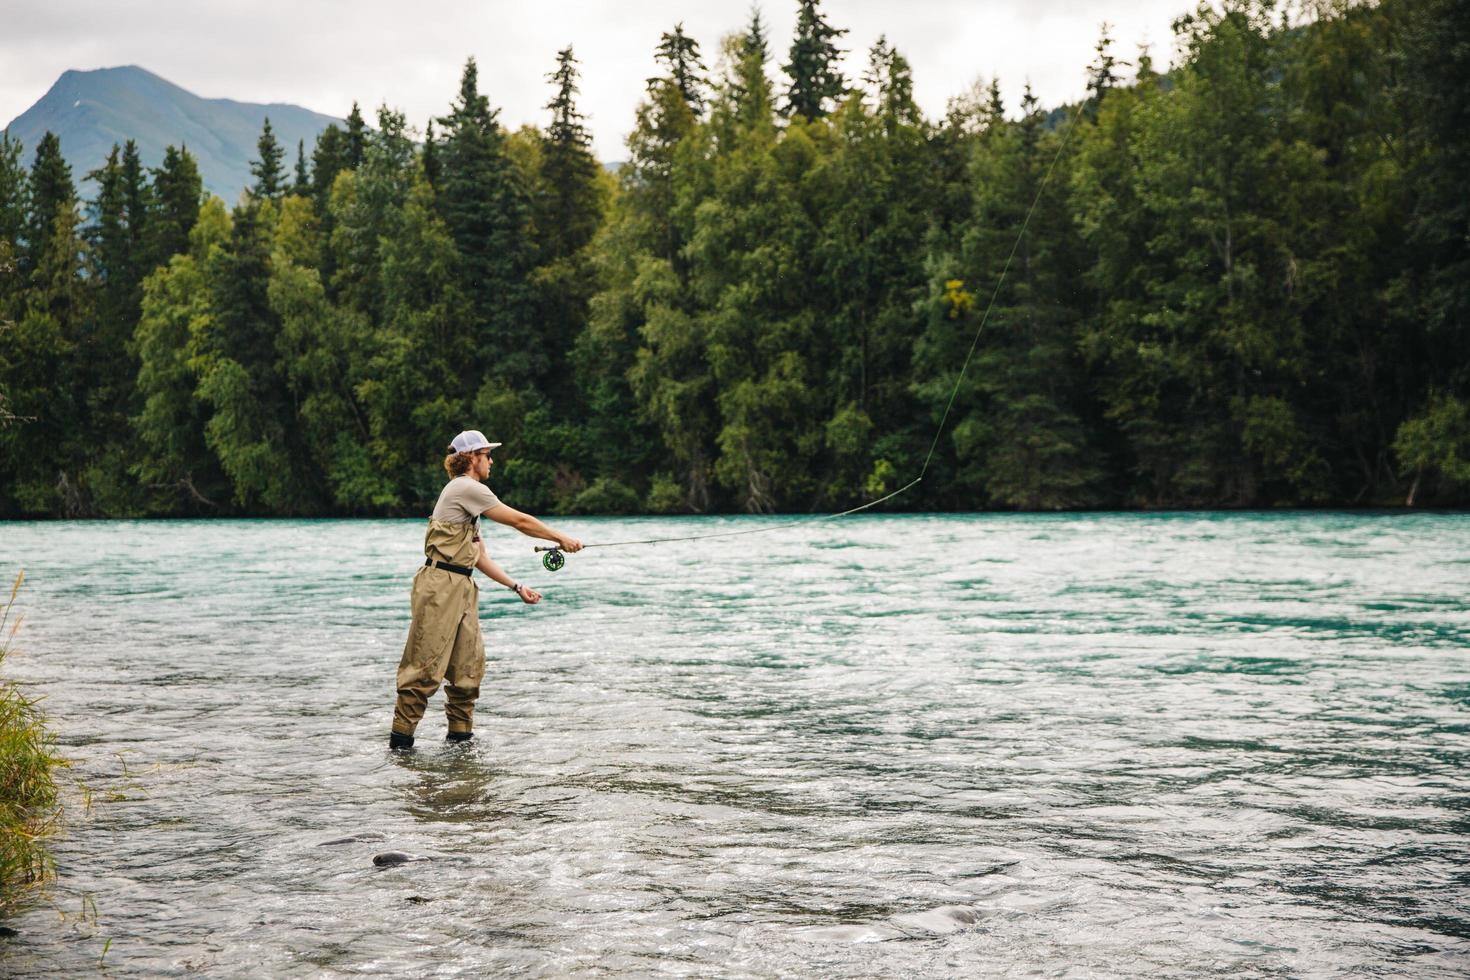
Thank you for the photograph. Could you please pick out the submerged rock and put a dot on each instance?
(354, 839)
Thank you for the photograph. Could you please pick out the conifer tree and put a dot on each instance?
(569, 201)
(177, 193)
(816, 83)
(14, 204)
(356, 141)
(51, 194)
(268, 169)
(953, 144)
(664, 119)
(750, 88)
(1102, 75)
(108, 232)
(113, 258)
(138, 205)
(328, 158)
(484, 206)
(429, 157)
(302, 185)
(678, 53)
(365, 212)
(891, 81)
(569, 208)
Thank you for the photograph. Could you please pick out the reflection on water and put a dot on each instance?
(1110, 744)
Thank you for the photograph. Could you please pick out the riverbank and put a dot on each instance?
(29, 806)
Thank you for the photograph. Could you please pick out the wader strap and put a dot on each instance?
(456, 569)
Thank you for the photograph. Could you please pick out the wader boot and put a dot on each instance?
(444, 644)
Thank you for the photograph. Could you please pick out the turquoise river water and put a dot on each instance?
(1098, 745)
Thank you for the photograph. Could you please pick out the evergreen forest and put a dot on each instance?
(1235, 277)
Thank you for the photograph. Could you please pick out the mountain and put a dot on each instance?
(91, 110)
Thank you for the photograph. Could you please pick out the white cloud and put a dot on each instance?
(325, 54)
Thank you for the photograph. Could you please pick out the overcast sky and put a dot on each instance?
(323, 54)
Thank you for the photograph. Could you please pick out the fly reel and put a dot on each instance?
(553, 559)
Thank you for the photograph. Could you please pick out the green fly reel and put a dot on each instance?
(553, 559)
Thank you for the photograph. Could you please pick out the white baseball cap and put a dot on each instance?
(470, 440)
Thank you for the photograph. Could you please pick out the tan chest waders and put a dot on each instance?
(444, 644)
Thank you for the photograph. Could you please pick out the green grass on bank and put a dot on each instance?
(29, 806)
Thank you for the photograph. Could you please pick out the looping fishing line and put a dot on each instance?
(553, 558)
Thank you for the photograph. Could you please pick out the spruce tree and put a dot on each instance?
(108, 231)
(750, 89)
(366, 211)
(1102, 75)
(569, 208)
(113, 259)
(51, 194)
(302, 186)
(679, 54)
(995, 110)
(268, 169)
(891, 81)
(356, 139)
(569, 201)
(816, 84)
(429, 157)
(663, 121)
(485, 208)
(177, 193)
(138, 204)
(328, 158)
(14, 203)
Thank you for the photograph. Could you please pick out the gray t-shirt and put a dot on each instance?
(464, 499)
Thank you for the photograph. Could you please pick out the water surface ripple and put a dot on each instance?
(1103, 745)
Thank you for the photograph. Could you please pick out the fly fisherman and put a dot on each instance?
(444, 643)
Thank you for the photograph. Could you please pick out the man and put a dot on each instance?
(444, 643)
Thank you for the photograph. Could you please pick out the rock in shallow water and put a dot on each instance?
(355, 838)
(391, 859)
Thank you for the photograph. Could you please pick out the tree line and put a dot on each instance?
(1241, 281)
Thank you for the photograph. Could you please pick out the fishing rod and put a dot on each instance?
(553, 559)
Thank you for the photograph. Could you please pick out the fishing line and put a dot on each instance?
(553, 559)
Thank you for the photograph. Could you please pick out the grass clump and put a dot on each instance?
(29, 805)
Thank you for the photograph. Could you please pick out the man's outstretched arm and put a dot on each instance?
(531, 527)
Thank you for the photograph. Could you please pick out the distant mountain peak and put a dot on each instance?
(91, 109)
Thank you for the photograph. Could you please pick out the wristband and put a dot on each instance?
(516, 588)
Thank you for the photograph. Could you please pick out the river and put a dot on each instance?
(938, 745)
